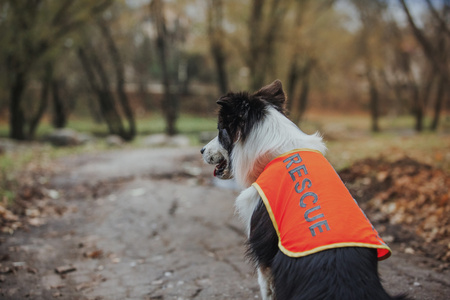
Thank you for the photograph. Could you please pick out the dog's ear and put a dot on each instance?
(224, 101)
(273, 93)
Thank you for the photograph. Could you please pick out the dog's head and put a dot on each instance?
(238, 114)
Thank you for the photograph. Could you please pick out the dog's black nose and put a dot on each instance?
(203, 150)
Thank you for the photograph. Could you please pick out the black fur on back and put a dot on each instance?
(348, 273)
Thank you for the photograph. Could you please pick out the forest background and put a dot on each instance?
(110, 76)
(119, 66)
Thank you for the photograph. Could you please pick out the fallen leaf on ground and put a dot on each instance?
(65, 269)
(94, 254)
(408, 193)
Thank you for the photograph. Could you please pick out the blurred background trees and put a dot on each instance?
(118, 61)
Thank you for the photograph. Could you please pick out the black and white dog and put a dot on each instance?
(253, 131)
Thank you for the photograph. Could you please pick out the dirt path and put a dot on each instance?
(148, 224)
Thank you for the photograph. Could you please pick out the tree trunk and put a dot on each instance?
(436, 53)
(17, 117)
(373, 94)
(294, 70)
(216, 40)
(442, 49)
(277, 10)
(292, 79)
(418, 108)
(427, 46)
(440, 95)
(55, 24)
(304, 93)
(262, 41)
(59, 109)
(219, 60)
(120, 83)
(170, 101)
(298, 104)
(105, 99)
(421, 100)
(255, 44)
(45, 90)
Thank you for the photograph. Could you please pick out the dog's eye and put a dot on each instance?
(224, 138)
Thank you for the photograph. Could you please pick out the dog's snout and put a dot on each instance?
(202, 150)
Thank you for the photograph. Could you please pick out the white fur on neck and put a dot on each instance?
(245, 205)
(270, 138)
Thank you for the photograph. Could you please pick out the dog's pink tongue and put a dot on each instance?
(214, 172)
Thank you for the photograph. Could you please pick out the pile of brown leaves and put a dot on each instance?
(33, 199)
(405, 193)
(36, 199)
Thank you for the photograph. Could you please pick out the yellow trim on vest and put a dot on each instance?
(332, 246)
(297, 150)
(269, 210)
(318, 249)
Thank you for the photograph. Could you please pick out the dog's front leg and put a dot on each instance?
(245, 205)
(265, 283)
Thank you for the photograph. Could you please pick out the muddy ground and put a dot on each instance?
(150, 224)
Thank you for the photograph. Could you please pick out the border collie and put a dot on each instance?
(285, 204)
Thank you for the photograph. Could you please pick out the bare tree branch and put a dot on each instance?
(60, 14)
(120, 77)
(426, 45)
(436, 15)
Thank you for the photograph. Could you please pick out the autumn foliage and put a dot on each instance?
(407, 193)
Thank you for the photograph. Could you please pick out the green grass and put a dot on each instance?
(14, 162)
(428, 148)
(347, 137)
(10, 163)
(186, 124)
(360, 122)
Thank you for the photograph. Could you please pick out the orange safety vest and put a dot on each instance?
(310, 207)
